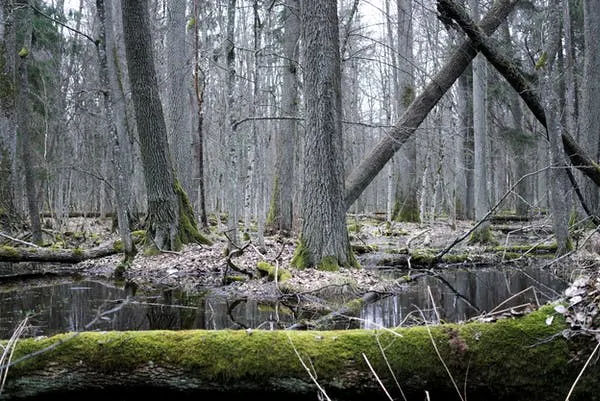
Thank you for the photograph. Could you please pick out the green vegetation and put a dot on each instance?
(509, 359)
(267, 269)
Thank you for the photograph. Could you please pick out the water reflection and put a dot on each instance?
(486, 289)
(94, 305)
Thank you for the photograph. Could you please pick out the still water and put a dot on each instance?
(94, 305)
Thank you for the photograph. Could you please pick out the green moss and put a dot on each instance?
(151, 251)
(512, 358)
(10, 251)
(188, 229)
(272, 215)
(246, 236)
(234, 279)
(78, 252)
(483, 235)
(138, 236)
(423, 256)
(118, 246)
(301, 258)
(354, 228)
(406, 211)
(329, 263)
(267, 269)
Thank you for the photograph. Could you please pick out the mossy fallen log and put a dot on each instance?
(513, 359)
(58, 255)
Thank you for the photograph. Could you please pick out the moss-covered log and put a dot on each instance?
(57, 255)
(512, 359)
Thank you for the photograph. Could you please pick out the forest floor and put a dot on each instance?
(379, 245)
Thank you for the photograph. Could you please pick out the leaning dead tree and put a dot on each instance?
(517, 79)
(513, 358)
(360, 177)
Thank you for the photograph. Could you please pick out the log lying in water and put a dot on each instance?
(524, 358)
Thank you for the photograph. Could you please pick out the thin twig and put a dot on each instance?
(19, 240)
(387, 363)
(310, 373)
(582, 370)
(440, 254)
(439, 355)
(377, 377)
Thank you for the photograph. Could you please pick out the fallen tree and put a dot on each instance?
(58, 255)
(524, 358)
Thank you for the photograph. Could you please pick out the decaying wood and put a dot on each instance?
(517, 79)
(523, 358)
(360, 177)
(31, 254)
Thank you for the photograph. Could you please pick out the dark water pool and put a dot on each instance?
(56, 307)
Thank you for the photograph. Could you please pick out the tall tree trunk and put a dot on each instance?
(559, 184)
(373, 162)
(464, 196)
(407, 192)
(198, 142)
(8, 137)
(25, 133)
(108, 80)
(281, 211)
(170, 220)
(177, 116)
(233, 162)
(590, 113)
(481, 184)
(324, 237)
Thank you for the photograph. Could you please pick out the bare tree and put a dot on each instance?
(559, 187)
(170, 221)
(480, 134)
(324, 237)
(590, 116)
(24, 129)
(8, 137)
(281, 211)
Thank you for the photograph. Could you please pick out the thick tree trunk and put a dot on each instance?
(171, 220)
(590, 118)
(177, 116)
(25, 131)
(8, 137)
(379, 155)
(324, 237)
(506, 360)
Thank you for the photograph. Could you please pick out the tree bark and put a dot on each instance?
(26, 137)
(369, 167)
(509, 359)
(324, 237)
(8, 137)
(513, 74)
(18, 254)
(171, 220)
(590, 117)
(281, 213)
(108, 81)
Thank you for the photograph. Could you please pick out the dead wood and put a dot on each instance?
(513, 358)
(53, 255)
